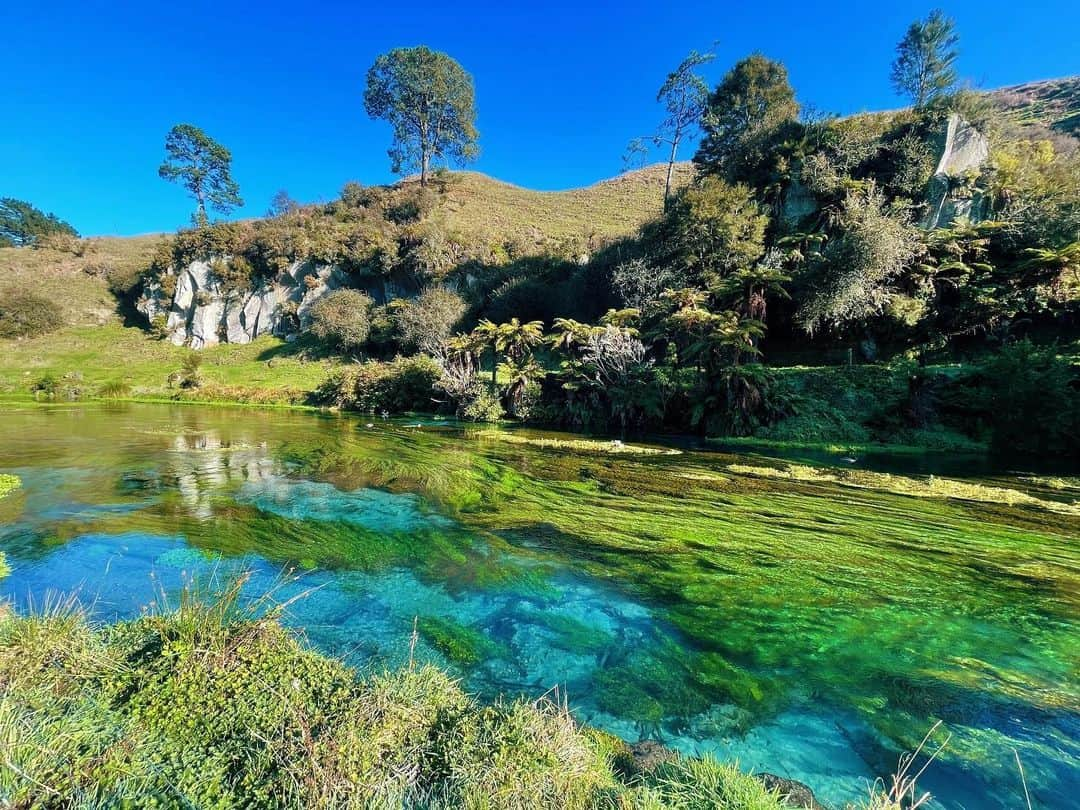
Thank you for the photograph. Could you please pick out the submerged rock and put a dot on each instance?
(648, 755)
(792, 792)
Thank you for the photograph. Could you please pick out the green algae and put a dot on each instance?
(929, 487)
(8, 484)
(458, 642)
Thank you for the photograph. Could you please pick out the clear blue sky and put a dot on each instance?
(90, 88)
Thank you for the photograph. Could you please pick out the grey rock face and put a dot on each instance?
(951, 195)
(799, 203)
(201, 314)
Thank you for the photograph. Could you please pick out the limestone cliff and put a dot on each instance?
(201, 313)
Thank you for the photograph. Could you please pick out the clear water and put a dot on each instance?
(807, 629)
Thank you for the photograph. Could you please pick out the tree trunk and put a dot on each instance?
(670, 169)
(425, 161)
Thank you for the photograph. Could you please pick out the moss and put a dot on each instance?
(572, 635)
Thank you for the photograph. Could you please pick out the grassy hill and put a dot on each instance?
(1054, 103)
(99, 348)
(479, 207)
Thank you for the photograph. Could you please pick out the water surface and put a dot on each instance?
(808, 629)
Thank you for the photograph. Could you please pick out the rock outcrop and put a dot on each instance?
(952, 193)
(202, 313)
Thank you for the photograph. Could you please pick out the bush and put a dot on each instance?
(189, 376)
(117, 389)
(342, 319)
(67, 388)
(482, 404)
(405, 384)
(1033, 401)
(427, 321)
(25, 314)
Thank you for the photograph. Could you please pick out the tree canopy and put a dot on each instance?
(204, 166)
(429, 100)
(924, 67)
(23, 224)
(745, 115)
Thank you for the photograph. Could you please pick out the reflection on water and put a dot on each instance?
(805, 629)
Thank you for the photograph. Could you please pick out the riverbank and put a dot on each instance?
(215, 704)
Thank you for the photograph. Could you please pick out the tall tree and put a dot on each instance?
(684, 96)
(204, 167)
(429, 100)
(746, 115)
(924, 67)
(23, 224)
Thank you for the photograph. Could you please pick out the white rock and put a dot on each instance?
(204, 324)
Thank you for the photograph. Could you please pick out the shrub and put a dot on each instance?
(25, 314)
(405, 384)
(342, 319)
(68, 387)
(427, 321)
(481, 404)
(117, 389)
(189, 376)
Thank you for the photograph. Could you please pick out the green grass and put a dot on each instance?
(215, 705)
(78, 279)
(264, 371)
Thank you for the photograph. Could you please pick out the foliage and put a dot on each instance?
(639, 281)
(873, 247)
(23, 224)
(749, 115)
(684, 95)
(281, 204)
(427, 321)
(429, 100)
(67, 387)
(1033, 401)
(204, 167)
(925, 59)
(342, 319)
(405, 384)
(716, 229)
(189, 376)
(24, 313)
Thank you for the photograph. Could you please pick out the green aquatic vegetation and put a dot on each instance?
(205, 707)
(570, 634)
(715, 672)
(8, 484)
(650, 687)
(804, 592)
(460, 643)
(610, 446)
(930, 487)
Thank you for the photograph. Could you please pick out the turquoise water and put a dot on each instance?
(805, 628)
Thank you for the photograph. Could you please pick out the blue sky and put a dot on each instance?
(92, 88)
